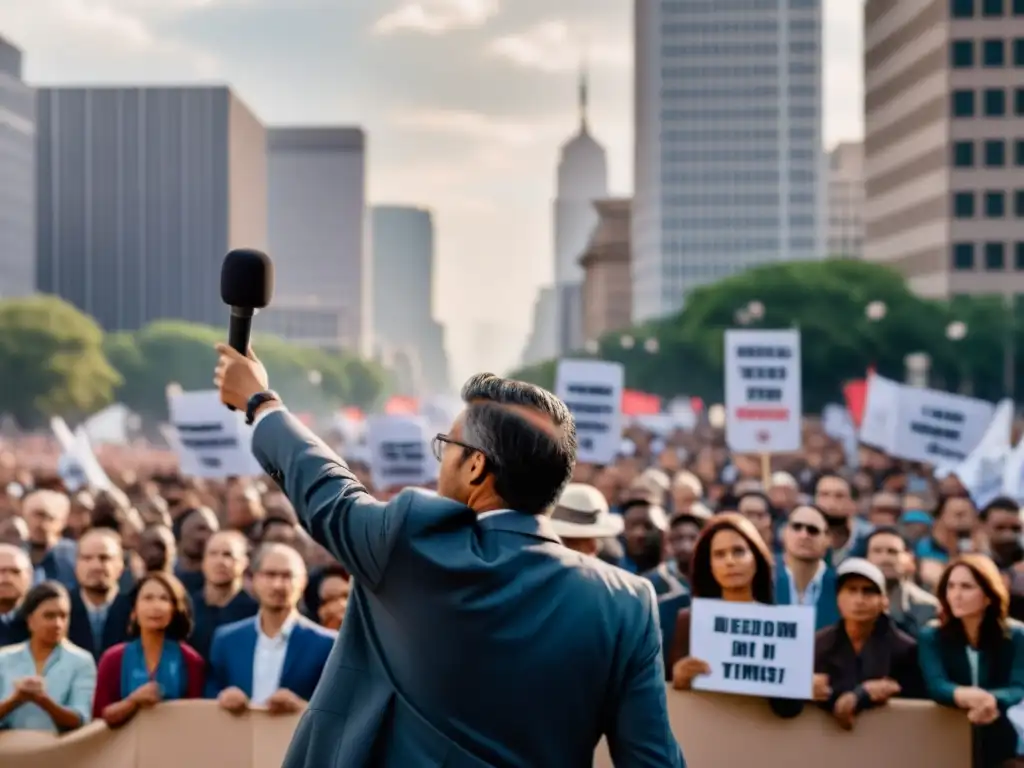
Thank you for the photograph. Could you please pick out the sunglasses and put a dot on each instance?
(811, 530)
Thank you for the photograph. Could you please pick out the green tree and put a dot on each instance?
(52, 360)
(827, 301)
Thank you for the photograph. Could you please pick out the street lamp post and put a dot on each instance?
(956, 332)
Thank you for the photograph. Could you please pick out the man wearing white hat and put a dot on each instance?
(581, 517)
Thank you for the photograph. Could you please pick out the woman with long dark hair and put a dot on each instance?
(973, 657)
(730, 562)
(155, 664)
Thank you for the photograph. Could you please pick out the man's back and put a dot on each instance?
(470, 642)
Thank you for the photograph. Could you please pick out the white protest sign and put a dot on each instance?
(982, 472)
(763, 394)
(922, 424)
(399, 451)
(79, 462)
(754, 649)
(592, 391)
(212, 442)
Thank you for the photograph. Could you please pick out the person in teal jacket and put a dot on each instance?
(972, 657)
(803, 577)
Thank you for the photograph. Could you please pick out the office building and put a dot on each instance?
(944, 144)
(582, 178)
(728, 156)
(542, 341)
(141, 192)
(607, 290)
(316, 225)
(17, 176)
(846, 201)
(403, 292)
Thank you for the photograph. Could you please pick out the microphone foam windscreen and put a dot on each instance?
(247, 279)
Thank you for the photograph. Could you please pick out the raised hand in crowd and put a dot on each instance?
(284, 702)
(233, 700)
(685, 670)
(147, 695)
(822, 690)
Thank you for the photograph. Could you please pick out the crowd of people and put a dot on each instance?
(165, 587)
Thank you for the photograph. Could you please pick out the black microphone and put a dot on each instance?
(246, 285)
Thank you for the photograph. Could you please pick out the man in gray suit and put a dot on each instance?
(473, 638)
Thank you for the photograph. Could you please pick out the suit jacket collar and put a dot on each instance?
(538, 526)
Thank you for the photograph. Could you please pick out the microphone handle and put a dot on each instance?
(240, 331)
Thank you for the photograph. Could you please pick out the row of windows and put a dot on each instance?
(754, 26)
(701, 114)
(744, 91)
(967, 9)
(993, 153)
(993, 204)
(739, 136)
(993, 256)
(696, 7)
(993, 102)
(992, 53)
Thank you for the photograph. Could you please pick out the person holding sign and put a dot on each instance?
(471, 629)
(973, 658)
(731, 562)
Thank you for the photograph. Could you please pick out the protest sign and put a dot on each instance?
(763, 398)
(399, 451)
(982, 472)
(922, 424)
(592, 390)
(754, 649)
(79, 465)
(211, 441)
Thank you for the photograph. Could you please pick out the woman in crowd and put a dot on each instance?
(973, 658)
(730, 562)
(46, 683)
(333, 591)
(155, 664)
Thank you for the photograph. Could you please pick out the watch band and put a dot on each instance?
(256, 401)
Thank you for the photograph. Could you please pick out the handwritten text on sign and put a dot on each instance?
(762, 390)
(592, 391)
(754, 649)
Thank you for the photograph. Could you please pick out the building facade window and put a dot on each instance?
(992, 8)
(995, 102)
(1018, 203)
(995, 205)
(994, 53)
(963, 103)
(1018, 51)
(1018, 7)
(1018, 152)
(995, 257)
(1018, 102)
(962, 9)
(963, 154)
(963, 257)
(995, 153)
(961, 54)
(963, 205)
(1018, 256)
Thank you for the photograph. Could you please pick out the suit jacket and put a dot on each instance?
(13, 630)
(826, 609)
(115, 629)
(888, 652)
(58, 564)
(465, 638)
(234, 648)
(912, 607)
(945, 667)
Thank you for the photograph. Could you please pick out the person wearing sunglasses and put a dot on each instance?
(470, 627)
(803, 577)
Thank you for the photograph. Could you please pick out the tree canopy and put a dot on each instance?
(827, 301)
(57, 361)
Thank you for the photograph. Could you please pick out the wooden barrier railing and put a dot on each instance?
(715, 730)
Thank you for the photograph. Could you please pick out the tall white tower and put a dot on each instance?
(582, 178)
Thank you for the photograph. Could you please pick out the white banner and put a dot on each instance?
(763, 395)
(211, 441)
(399, 451)
(592, 390)
(754, 649)
(922, 424)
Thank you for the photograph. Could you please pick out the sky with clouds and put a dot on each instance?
(465, 103)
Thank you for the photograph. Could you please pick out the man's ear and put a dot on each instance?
(477, 468)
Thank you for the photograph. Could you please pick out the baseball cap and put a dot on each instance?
(858, 566)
